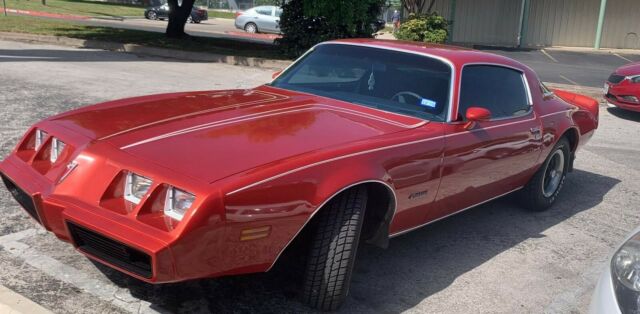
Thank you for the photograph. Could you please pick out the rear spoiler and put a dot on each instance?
(584, 102)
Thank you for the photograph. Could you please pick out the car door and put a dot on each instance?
(163, 11)
(264, 19)
(278, 12)
(487, 159)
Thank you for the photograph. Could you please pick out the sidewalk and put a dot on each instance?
(14, 303)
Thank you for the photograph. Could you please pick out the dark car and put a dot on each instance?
(161, 12)
(378, 25)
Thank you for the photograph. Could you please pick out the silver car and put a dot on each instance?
(262, 19)
(618, 290)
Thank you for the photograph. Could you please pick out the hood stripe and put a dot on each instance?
(272, 113)
(273, 96)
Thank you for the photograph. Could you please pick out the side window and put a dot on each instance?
(501, 90)
(264, 10)
(278, 12)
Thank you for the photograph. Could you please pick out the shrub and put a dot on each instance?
(305, 23)
(429, 28)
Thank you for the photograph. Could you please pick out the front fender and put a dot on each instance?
(286, 204)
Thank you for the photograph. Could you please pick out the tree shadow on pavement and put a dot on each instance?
(414, 267)
(625, 114)
(85, 55)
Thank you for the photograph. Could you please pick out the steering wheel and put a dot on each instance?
(401, 97)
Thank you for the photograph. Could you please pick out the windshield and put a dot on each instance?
(393, 81)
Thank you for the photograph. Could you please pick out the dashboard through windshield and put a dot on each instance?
(394, 81)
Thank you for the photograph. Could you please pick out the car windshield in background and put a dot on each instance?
(389, 80)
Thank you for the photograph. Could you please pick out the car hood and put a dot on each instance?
(629, 69)
(212, 135)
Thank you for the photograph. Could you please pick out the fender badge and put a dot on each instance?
(70, 167)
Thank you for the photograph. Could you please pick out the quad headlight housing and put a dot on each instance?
(177, 203)
(136, 187)
(625, 270)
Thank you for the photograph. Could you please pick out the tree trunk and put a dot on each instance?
(178, 15)
(44, 2)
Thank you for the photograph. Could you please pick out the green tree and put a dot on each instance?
(305, 23)
(430, 28)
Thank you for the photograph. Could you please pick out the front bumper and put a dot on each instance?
(612, 102)
(604, 298)
(124, 244)
(614, 93)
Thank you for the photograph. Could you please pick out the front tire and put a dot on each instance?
(251, 28)
(333, 250)
(542, 190)
(152, 15)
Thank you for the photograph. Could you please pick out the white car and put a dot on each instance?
(262, 19)
(618, 290)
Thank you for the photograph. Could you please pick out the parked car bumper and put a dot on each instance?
(604, 298)
(615, 95)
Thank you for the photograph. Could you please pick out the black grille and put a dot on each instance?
(22, 197)
(615, 79)
(111, 251)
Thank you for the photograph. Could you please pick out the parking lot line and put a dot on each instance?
(14, 303)
(569, 80)
(621, 57)
(549, 56)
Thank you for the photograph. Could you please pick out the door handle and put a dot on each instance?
(537, 132)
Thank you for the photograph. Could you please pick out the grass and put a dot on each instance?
(221, 14)
(78, 7)
(31, 25)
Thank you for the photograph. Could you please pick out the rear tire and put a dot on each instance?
(541, 191)
(333, 250)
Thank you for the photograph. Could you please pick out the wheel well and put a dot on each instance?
(380, 208)
(572, 135)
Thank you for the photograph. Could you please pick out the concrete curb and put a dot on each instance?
(48, 14)
(14, 303)
(144, 50)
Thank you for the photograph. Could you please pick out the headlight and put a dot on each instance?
(626, 275)
(136, 187)
(57, 146)
(177, 203)
(40, 137)
(626, 264)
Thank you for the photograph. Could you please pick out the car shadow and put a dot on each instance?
(414, 267)
(625, 114)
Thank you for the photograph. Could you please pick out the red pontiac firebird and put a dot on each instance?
(622, 88)
(356, 141)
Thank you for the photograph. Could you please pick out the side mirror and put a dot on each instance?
(275, 74)
(476, 114)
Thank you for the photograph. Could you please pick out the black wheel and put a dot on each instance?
(333, 250)
(251, 28)
(541, 191)
(152, 15)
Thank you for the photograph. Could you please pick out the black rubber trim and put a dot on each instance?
(22, 197)
(111, 251)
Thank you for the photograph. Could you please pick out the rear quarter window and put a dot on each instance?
(499, 89)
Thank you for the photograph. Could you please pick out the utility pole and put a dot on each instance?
(4, 6)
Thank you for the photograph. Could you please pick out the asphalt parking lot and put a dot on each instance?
(496, 258)
(580, 68)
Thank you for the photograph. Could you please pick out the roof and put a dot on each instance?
(458, 56)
